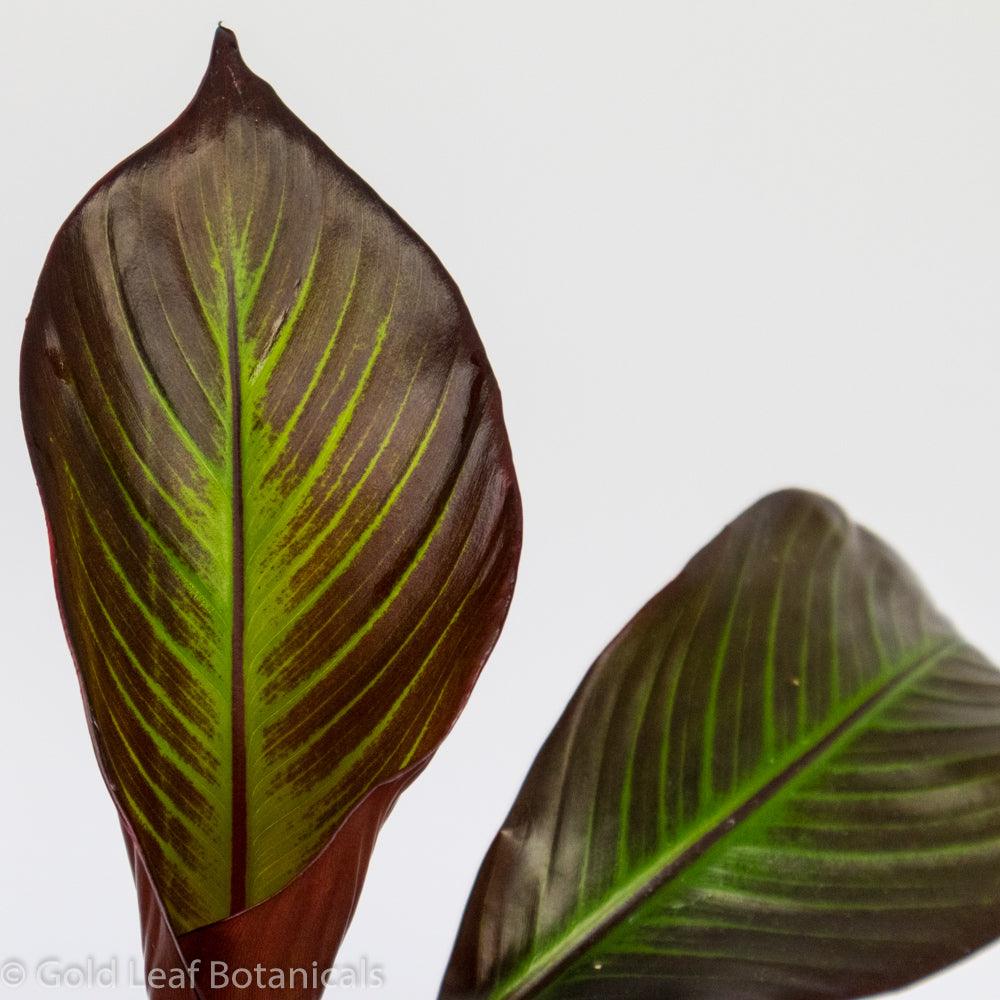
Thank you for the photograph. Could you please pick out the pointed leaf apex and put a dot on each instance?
(226, 67)
(225, 47)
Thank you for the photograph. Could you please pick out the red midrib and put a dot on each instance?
(238, 860)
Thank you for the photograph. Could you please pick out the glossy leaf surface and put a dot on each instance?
(284, 518)
(781, 780)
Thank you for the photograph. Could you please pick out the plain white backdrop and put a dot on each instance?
(713, 249)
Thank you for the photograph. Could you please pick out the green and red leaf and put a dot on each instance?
(781, 781)
(284, 518)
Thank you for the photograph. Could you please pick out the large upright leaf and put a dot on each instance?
(781, 780)
(284, 517)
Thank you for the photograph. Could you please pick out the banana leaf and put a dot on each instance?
(781, 781)
(284, 518)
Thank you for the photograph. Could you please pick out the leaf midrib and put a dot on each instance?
(544, 968)
(238, 850)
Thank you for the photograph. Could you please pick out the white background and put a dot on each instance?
(712, 248)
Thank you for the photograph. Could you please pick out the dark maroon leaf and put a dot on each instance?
(284, 518)
(781, 781)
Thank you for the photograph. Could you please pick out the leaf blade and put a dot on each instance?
(853, 634)
(284, 515)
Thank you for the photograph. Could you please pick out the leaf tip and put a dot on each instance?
(791, 502)
(228, 82)
(226, 60)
